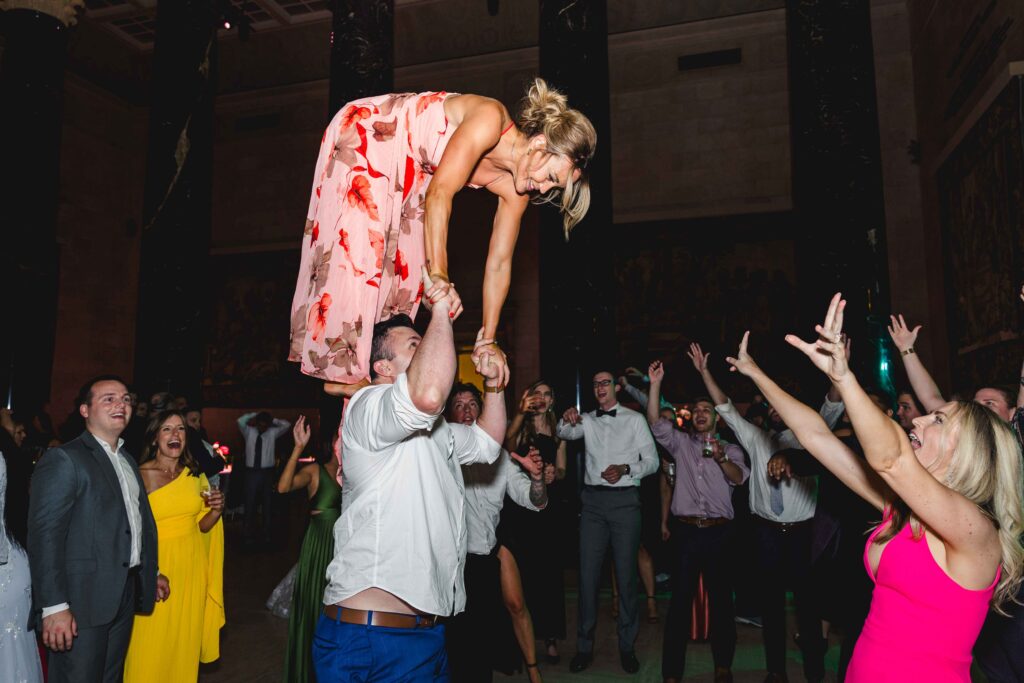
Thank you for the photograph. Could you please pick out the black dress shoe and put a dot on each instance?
(580, 662)
(630, 664)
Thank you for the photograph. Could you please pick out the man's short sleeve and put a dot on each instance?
(382, 415)
(473, 445)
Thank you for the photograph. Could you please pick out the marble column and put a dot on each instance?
(171, 337)
(577, 288)
(837, 170)
(31, 90)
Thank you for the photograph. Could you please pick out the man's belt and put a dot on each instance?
(781, 526)
(703, 522)
(347, 615)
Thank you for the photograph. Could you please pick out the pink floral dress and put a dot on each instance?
(363, 249)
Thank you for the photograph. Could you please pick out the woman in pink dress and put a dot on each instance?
(382, 195)
(948, 548)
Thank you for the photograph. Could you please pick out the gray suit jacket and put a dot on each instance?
(79, 541)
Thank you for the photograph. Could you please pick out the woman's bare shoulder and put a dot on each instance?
(458, 107)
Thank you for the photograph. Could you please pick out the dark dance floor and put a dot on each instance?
(253, 642)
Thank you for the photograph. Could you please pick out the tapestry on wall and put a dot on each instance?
(246, 354)
(981, 186)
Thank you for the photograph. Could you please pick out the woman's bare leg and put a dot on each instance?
(646, 565)
(522, 624)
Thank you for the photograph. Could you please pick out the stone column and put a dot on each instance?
(177, 205)
(31, 114)
(362, 50)
(577, 317)
(837, 170)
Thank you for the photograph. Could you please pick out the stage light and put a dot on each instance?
(227, 25)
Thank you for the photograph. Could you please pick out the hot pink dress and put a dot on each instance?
(362, 253)
(922, 624)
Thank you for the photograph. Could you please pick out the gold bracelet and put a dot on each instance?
(494, 390)
(907, 352)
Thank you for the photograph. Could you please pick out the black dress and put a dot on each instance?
(537, 541)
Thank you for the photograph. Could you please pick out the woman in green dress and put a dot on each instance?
(320, 480)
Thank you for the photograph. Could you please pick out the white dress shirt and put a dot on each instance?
(403, 522)
(621, 440)
(129, 485)
(798, 493)
(266, 455)
(486, 486)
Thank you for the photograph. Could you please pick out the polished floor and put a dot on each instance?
(253, 642)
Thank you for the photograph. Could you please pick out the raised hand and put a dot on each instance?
(778, 467)
(437, 291)
(743, 362)
(656, 372)
(902, 336)
(531, 462)
(300, 432)
(490, 361)
(828, 353)
(699, 358)
(525, 404)
(572, 416)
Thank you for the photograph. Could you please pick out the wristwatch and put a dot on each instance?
(627, 469)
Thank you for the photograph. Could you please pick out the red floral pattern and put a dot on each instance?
(377, 157)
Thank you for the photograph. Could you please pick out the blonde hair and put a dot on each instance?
(567, 132)
(986, 469)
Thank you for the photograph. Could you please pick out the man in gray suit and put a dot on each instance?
(92, 543)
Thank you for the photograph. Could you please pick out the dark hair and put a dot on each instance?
(149, 447)
(1009, 394)
(380, 349)
(84, 397)
(598, 369)
(913, 398)
(704, 399)
(463, 388)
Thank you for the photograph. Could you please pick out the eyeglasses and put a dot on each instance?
(602, 383)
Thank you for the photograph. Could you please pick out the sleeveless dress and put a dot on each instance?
(363, 250)
(184, 630)
(922, 624)
(311, 579)
(537, 540)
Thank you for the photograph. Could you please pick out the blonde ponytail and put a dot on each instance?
(567, 132)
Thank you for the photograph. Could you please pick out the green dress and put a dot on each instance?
(310, 579)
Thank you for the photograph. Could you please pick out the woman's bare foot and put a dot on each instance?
(345, 390)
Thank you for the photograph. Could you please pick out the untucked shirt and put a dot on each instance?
(403, 523)
(701, 488)
(486, 486)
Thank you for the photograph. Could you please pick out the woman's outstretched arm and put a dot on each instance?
(812, 432)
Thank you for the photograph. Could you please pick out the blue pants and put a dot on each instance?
(353, 653)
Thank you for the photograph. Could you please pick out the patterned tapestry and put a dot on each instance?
(981, 186)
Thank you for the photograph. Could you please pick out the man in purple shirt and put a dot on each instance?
(700, 528)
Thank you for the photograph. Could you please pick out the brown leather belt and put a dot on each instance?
(781, 526)
(348, 615)
(703, 522)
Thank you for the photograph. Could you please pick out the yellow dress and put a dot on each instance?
(183, 631)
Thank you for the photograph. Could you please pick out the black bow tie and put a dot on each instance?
(609, 413)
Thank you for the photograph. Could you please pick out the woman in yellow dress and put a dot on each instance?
(184, 630)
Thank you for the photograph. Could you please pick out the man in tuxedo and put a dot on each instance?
(92, 542)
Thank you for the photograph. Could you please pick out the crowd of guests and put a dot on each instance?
(436, 515)
(442, 528)
(111, 557)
